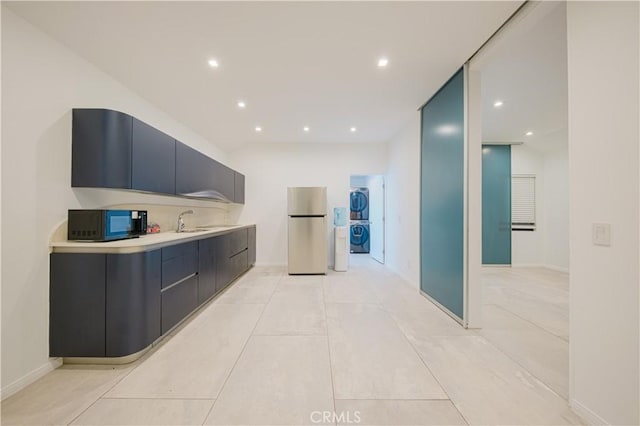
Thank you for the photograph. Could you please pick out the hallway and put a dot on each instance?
(361, 345)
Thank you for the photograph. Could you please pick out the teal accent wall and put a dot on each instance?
(442, 196)
(496, 204)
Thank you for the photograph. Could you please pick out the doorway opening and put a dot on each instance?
(367, 216)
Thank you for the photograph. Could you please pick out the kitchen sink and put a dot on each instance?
(202, 229)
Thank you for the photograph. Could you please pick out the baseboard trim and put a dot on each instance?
(557, 268)
(406, 279)
(29, 378)
(586, 414)
(527, 265)
(270, 264)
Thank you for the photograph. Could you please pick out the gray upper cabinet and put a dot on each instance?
(111, 149)
(101, 149)
(153, 160)
(225, 180)
(199, 176)
(239, 188)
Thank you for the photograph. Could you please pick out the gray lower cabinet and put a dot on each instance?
(179, 262)
(251, 242)
(179, 283)
(178, 301)
(77, 303)
(132, 302)
(206, 269)
(113, 305)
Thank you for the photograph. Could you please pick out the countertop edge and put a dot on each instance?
(113, 248)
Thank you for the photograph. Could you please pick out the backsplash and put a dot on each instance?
(167, 216)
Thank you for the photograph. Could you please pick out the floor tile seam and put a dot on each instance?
(430, 371)
(138, 363)
(326, 323)
(163, 398)
(553, 391)
(99, 397)
(395, 399)
(244, 347)
(290, 335)
(530, 322)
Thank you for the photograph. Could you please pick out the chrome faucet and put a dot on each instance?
(181, 222)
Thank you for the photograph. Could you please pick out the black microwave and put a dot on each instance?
(106, 225)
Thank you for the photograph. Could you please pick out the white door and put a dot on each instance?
(376, 217)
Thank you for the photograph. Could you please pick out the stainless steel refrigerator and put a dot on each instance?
(307, 228)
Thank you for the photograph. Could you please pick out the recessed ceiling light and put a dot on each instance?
(213, 63)
(498, 104)
(353, 129)
(258, 129)
(305, 128)
(241, 104)
(383, 62)
(529, 133)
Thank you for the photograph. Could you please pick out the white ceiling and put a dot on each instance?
(527, 70)
(294, 63)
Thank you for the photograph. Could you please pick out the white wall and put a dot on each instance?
(602, 40)
(359, 181)
(548, 245)
(527, 247)
(403, 203)
(41, 82)
(555, 193)
(270, 168)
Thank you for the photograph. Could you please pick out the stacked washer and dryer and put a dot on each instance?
(359, 229)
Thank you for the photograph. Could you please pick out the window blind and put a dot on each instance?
(523, 202)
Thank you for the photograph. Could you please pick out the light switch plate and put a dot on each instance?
(602, 234)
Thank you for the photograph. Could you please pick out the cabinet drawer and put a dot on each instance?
(178, 262)
(237, 241)
(179, 250)
(239, 264)
(178, 302)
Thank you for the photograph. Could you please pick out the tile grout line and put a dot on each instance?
(526, 320)
(326, 324)
(244, 347)
(428, 369)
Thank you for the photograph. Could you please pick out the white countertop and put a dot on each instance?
(143, 243)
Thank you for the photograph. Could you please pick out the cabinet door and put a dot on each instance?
(77, 305)
(153, 156)
(239, 188)
(206, 270)
(223, 265)
(224, 179)
(251, 237)
(133, 302)
(193, 174)
(101, 149)
(178, 302)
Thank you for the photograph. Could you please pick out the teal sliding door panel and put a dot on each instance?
(496, 205)
(442, 197)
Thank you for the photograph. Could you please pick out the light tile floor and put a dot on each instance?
(361, 347)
